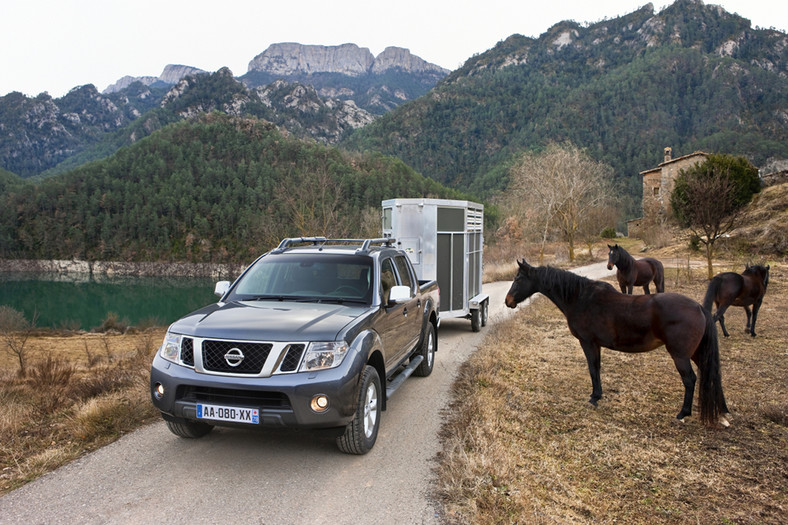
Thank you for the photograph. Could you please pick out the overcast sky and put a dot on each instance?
(55, 45)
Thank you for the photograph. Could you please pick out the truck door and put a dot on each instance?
(414, 306)
(393, 328)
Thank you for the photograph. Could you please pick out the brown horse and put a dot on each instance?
(600, 316)
(732, 289)
(633, 272)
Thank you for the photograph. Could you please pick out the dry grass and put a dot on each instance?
(522, 445)
(81, 392)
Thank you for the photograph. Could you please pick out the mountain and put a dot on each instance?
(322, 101)
(45, 136)
(692, 77)
(213, 188)
(348, 72)
(172, 74)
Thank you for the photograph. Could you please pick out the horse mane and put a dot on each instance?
(754, 269)
(567, 285)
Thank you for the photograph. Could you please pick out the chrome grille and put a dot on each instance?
(254, 356)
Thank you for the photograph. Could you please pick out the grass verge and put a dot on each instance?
(522, 445)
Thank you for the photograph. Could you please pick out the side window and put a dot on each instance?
(403, 270)
(387, 279)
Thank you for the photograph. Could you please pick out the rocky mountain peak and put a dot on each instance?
(290, 59)
(172, 74)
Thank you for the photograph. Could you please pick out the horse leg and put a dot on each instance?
(688, 377)
(646, 290)
(755, 309)
(720, 316)
(593, 355)
(749, 317)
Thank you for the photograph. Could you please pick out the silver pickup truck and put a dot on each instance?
(317, 333)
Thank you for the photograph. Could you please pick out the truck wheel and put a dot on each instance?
(476, 319)
(428, 347)
(361, 433)
(189, 429)
(485, 312)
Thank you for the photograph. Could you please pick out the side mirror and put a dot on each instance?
(221, 288)
(399, 294)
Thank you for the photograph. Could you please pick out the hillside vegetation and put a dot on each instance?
(211, 189)
(692, 77)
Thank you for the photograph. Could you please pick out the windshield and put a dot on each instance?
(307, 277)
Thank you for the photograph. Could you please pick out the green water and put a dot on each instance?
(82, 302)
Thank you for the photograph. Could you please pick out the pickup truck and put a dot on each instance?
(317, 333)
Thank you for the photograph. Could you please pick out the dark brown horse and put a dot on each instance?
(733, 289)
(600, 316)
(633, 272)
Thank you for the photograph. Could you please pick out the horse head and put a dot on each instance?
(612, 256)
(523, 286)
(757, 269)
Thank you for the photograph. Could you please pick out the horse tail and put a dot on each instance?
(710, 396)
(659, 277)
(711, 293)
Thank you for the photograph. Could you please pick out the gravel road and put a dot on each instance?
(269, 477)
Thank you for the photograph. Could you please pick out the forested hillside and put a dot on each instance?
(692, 77)
(211, 188)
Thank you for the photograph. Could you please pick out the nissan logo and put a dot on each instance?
(234, 357)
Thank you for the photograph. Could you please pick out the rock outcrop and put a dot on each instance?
(172, 74)
(291, 59)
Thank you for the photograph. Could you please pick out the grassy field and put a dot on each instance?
(522, 445)
(81, 391)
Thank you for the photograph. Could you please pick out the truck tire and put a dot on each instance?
(361, 433)
(485, 311)
(189, 429)
(428, 347)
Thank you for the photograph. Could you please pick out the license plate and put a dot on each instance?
(234, 414)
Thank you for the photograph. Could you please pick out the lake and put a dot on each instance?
(80, 301)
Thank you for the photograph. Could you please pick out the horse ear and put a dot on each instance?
(609, 247)
(523, 265)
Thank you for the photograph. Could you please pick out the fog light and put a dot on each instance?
(158, 390)
(319, 403)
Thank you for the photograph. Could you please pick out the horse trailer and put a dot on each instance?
(444, 240)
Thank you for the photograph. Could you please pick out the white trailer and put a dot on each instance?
(444, 240)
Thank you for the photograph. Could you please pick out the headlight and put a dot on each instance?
(171, 347)
(320, 356)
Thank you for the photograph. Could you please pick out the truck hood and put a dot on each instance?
(269, 321)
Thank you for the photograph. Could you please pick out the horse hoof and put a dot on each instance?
(681, 420)
(724, 422)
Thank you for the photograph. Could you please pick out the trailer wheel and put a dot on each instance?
(485, 312)
(476, 319)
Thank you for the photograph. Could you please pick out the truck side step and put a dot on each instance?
(402, 376)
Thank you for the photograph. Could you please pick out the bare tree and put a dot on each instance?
(559, 189)
(314, 204)
(15, 331)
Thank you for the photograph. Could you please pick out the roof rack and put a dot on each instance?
(322, 241)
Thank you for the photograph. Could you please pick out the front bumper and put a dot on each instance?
(282, 400)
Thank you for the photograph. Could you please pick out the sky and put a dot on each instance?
(56, 45)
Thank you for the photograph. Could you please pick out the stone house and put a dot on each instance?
(657, 187)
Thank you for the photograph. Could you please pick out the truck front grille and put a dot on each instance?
(234, 357)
